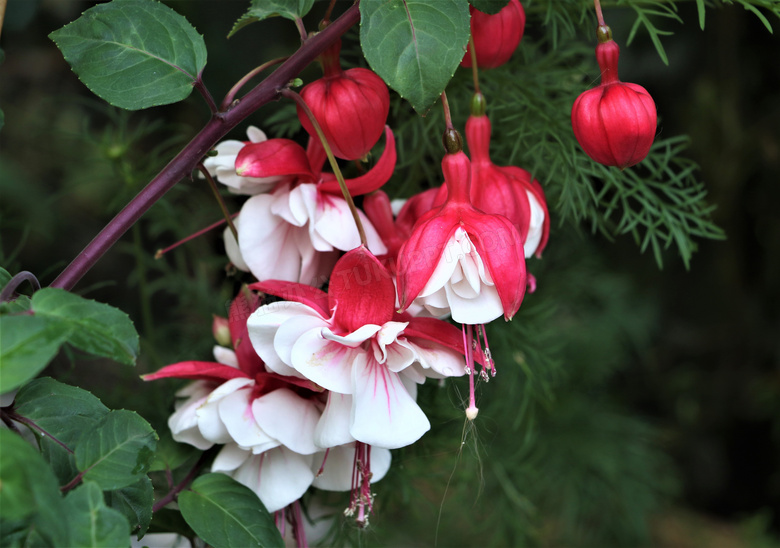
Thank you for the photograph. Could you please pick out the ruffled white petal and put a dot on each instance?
(209, 422)
(288, 418)
(333, 426)
(384, 414)
(235, 411)
(184, 421)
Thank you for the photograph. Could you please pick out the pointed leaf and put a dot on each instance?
(92, 523)
(133, 53)
(225, 513)
(95, 327)
(29, 495)
(134, 502)
(415, 45)
(118, 452)
(262, 9)
(27, 345)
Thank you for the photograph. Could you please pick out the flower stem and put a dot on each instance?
(173, 493)
(161, 252)
(599, 15)
(216, 128)
(205, 93)
(332, 159)
(446, 106)
(220, 201)
(231, 95)
(474, 68)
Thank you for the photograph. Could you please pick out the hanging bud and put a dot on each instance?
(615, 122)
(495, 36)
(351, 107)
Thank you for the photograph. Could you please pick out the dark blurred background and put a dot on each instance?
(706, 372)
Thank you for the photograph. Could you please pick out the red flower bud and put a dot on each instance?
(351, 107)
(615, 122)
(495, 36)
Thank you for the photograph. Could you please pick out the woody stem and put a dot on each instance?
(290, 94)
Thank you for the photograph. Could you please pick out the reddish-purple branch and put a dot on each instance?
(184, 162)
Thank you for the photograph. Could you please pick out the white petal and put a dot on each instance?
(225, 356)
(354, 339)
(384, 414)
(327, 363)
(438, 359)
(334, 223)
(232, 250)
(210, 424)
(263, 325)
(255, 134)
(536, 226)
(184, 421)
(279, 477)
(333, 426)
(484, 308)
(288, 418)
(235, 411)
(229, 458)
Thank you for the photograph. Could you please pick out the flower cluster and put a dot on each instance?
(315, 377)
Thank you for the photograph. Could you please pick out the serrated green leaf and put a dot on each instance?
(65, 413)
(92, 523)
(415, 45)
(135, 503)
(27, 345)
(29, 494)
(489, 6)
(225, 513)
(118, 451)
(133, 53)
(263, 9)
(95, 327)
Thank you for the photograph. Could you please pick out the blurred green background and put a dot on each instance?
(646, 405)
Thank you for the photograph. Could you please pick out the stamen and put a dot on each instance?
(322, 466)
(299, 531)
(488, 354)
(361, 499)
(468, 344)
(280, 521)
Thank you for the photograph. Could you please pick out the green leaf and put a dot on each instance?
(225, 513)
(118, 451)
(135, 503)
(702, 12)
(263, 9)
(65, 413)
(29, 495)
(92, 523)
(415, 45)
(489, 6)
(27, 345)
(96, 328)
(133, 53)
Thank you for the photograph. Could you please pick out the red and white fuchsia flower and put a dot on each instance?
(352, 343)
(496, 36)
(295, 232)
(615, 122)
(351, 106)
(509, 191)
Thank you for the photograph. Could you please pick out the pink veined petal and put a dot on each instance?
(279, 477)
(267, 242)
(196, 370)
(273, 157)
(384, 414)
(235, 412)
(333, 427)
(288, 418)
(263, 326)
(327, 363)
(292, 330)
(230, 457)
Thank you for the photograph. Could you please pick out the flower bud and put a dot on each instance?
(351, 107)
(615, 122)
(495, 36)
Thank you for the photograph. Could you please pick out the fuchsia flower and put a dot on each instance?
(350, 342)
(461, 259)
(615, 122)
(295, 232)
(223, 165)
(351, 106)
(496, 36)
(509, 191)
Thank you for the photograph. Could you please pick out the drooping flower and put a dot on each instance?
(509, 191)
(295, 232)
(222, 166)
(614, 122)
(351, 106)
(462, 260)
(351, 342)
(496, 36)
